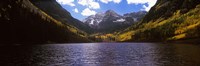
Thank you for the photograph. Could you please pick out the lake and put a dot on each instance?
(101, 54)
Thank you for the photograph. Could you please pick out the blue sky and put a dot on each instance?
(81, 9)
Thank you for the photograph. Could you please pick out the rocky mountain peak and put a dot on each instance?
(108, 19)
(111, 13)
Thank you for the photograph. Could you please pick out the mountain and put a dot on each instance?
(135, 16)
(110, 21)
(52, 8)
(21, 22)
(167, 20)
(94, 20)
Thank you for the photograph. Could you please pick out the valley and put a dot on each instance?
(107, 24)
(46, 33)
(167, 21)
(46, 21)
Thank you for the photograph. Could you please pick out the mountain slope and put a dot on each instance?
(24, 23)
(52, 8)
(166, 8)
(168, 20)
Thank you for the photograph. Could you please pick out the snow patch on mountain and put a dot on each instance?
(110, 20)
(92, 21)
(120, 20)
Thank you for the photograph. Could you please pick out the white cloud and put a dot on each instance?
(83, 2)
(89, 3)
(76, 10)
(94, 5)
(66, 2)
(146, 8)
(88, 12)
(117, 1)
(106, 1)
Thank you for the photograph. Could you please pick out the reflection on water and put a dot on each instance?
(101, 54)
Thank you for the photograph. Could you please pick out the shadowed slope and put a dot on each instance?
(23, 23)
(52, 8)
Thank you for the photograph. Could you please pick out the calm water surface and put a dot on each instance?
(101, 54)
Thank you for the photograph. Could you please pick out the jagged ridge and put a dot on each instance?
(110, 21)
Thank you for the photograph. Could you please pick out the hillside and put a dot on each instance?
(24, 23)
(52, 8)
(168, 20)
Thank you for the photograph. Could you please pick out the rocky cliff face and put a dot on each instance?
(110, 21)
(135, 16)
(21, 22)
